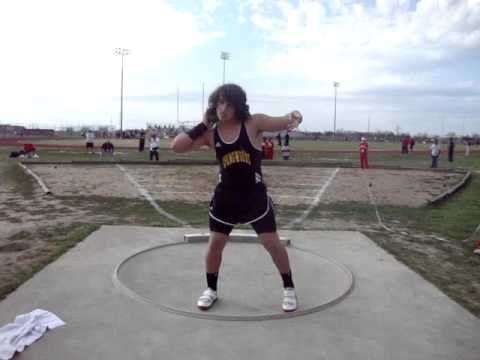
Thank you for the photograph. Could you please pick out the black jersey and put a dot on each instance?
(240, 161)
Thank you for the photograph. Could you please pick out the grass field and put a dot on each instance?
(382, 154)
(435, 241)
(298, 144)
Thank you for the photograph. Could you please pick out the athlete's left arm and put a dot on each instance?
(277, 123)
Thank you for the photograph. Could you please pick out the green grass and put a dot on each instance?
(451, 269)
(455, 219)
(64, 237)
(22, 183)
(347, 210)
(302, 150)
(67, 155)
(424, 161)
(194, 214)
(120, 211)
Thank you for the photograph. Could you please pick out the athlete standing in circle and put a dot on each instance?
(240, 195)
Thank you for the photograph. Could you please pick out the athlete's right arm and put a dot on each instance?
(183, 142)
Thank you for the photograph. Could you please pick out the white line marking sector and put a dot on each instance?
(149, 198)
(36, 177)
(316, 200)
(374, 203)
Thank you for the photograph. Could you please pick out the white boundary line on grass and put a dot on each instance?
(36, 177)
(315, 202)
(374, 203)
(149, 198)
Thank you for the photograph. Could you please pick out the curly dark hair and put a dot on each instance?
(235, 96)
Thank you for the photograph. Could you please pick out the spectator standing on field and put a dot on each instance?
(154, 146)
(467, 147)
(287, 139)
(412, 144)
(141, 141)
(405, 143)
(89, 140)
(363, 148)
(269, 149)
(279, 139)
(451, 149)
(435, 154)
(285, 152)
(285, 149)
(264, 147)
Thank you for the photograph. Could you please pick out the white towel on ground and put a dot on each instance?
(26, 329)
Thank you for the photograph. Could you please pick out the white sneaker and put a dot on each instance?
(289, 300)
(207, 299)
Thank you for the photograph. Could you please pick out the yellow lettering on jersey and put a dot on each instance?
(237, 156)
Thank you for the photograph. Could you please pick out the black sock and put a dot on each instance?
(287, 280)
(212, 280)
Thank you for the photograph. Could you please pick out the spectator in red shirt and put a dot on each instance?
(363, 148)
(30, 150)
(269, 149)
(412, 144)
(264, 147)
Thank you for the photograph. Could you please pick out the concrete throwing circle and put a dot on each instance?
(172, 276)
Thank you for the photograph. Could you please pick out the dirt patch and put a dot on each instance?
(287, 185)
(191, 184)
(15, 246)
(390, 187)
(66, 180)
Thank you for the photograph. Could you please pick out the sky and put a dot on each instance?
(402, 65)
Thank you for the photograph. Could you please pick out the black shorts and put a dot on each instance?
(89, 145)
(253, 207)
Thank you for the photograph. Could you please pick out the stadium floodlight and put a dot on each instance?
(335, 85)
(122, 53)
(224, 56)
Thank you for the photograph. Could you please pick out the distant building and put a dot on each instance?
(11, 130)
(38, 132)
(14, 131)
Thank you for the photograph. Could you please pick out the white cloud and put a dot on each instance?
(363, 46)
(44, 53)
(241, 12)
(209, 7)
(390, 7)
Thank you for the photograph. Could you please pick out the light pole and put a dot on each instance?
(122, 53)
(335, 85)
(224, 56)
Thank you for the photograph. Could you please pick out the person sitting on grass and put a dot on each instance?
(107, 148)
(30, 151)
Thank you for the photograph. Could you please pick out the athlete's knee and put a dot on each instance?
(273, 245)
(217, 243)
